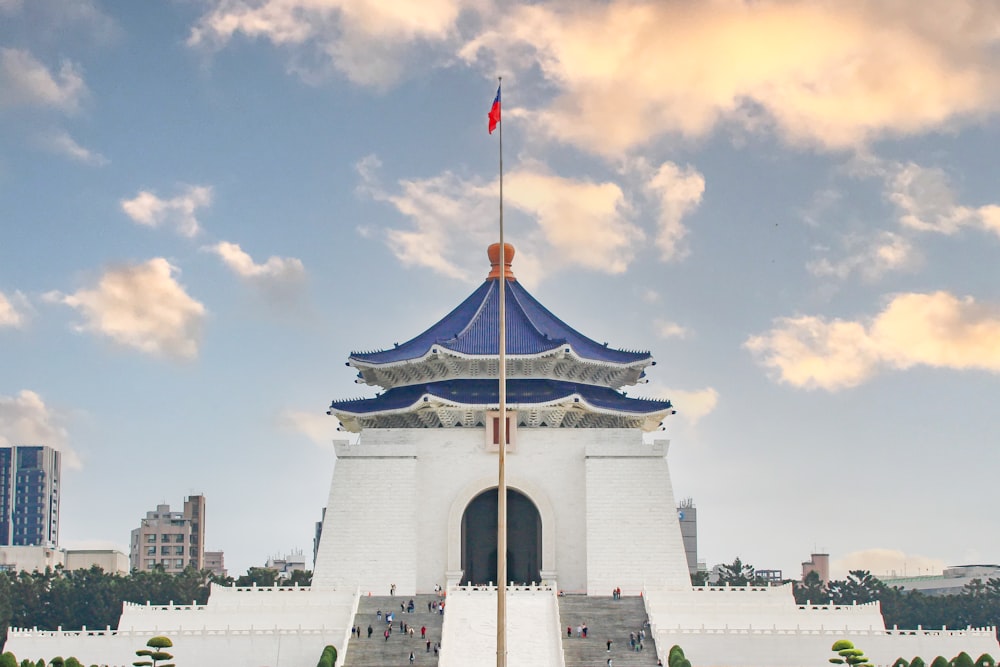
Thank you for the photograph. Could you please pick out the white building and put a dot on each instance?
(412, 506)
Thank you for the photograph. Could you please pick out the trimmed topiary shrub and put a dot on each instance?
(8, 659)
(901, 662)
(940, 661)
(986, 660)
(328, 658)
(963, 659)
(675, 655)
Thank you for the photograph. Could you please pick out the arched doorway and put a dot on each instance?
(479, 539)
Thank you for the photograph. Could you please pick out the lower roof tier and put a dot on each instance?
(465, 403)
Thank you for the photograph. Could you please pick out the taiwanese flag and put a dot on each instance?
(494, 114)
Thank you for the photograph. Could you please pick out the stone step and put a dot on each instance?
(376, 651)
(606, 618)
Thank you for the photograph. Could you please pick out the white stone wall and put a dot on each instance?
(192, 648)
(809, 648)
(397, 499)
(764, 627)
(633, 535)
(369, 536)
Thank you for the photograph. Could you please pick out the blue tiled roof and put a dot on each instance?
(486, 392)
(473, 328)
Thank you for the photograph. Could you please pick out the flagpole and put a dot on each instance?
(502, 426)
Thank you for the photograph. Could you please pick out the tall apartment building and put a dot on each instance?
(173, 540)
(29, 496)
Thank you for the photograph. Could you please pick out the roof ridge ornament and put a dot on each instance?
(493, 252)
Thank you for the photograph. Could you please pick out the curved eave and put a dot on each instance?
(429, 409)
(442, 363)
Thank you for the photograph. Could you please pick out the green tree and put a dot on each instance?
(986, 660)
(8, 660)
(154, 652)
(848, 654)
(261, 576)
(299, 578)
(811, 590)
(940, 661)
(737, 573)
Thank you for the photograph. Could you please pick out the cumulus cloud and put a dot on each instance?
(578, 222)
(366, 40)
(319, 427)
(885, 562)
(926, 202)
(148, 209)
(665, 329)
(25, 419)
(678, 192)
(870, 256)
(692, 405)
(24, 81)
(275, 269)
(937, 329)
(13, 310)
(628, 71)
(140, 306)
(61, 143)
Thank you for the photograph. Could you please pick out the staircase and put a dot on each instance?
(606, 618)
(375, 651)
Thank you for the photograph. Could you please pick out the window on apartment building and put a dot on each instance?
(150, 551)
(150, 537)
(150, 563)
(165, 537)
(179, 562)
(178, 551)
(179, 538)
(164, 551)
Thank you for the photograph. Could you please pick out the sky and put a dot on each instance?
(206, 205)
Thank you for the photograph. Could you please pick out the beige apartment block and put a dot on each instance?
(172, 540)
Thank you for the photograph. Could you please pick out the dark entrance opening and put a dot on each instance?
(479, 539)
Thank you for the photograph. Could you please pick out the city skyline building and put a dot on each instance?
(29, 495)
(171, 540)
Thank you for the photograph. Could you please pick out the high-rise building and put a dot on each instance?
(687, 516)
(172, 540)
(29, 496)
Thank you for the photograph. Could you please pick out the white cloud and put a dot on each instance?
(25, 419)
(319, 427)
(628, 71)
(584, 223)
(24, 81)
(60, 143)
(665, 329)
(13, 310)
(691, 405)
(148, 209)
(369, 41)
(579, 222)
(275, 269)
(937, 330)
(140, 306)
(869, 256)
(678, 192)
(926, 202)
(885, 562)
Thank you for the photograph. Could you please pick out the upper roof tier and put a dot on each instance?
(465, 343)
